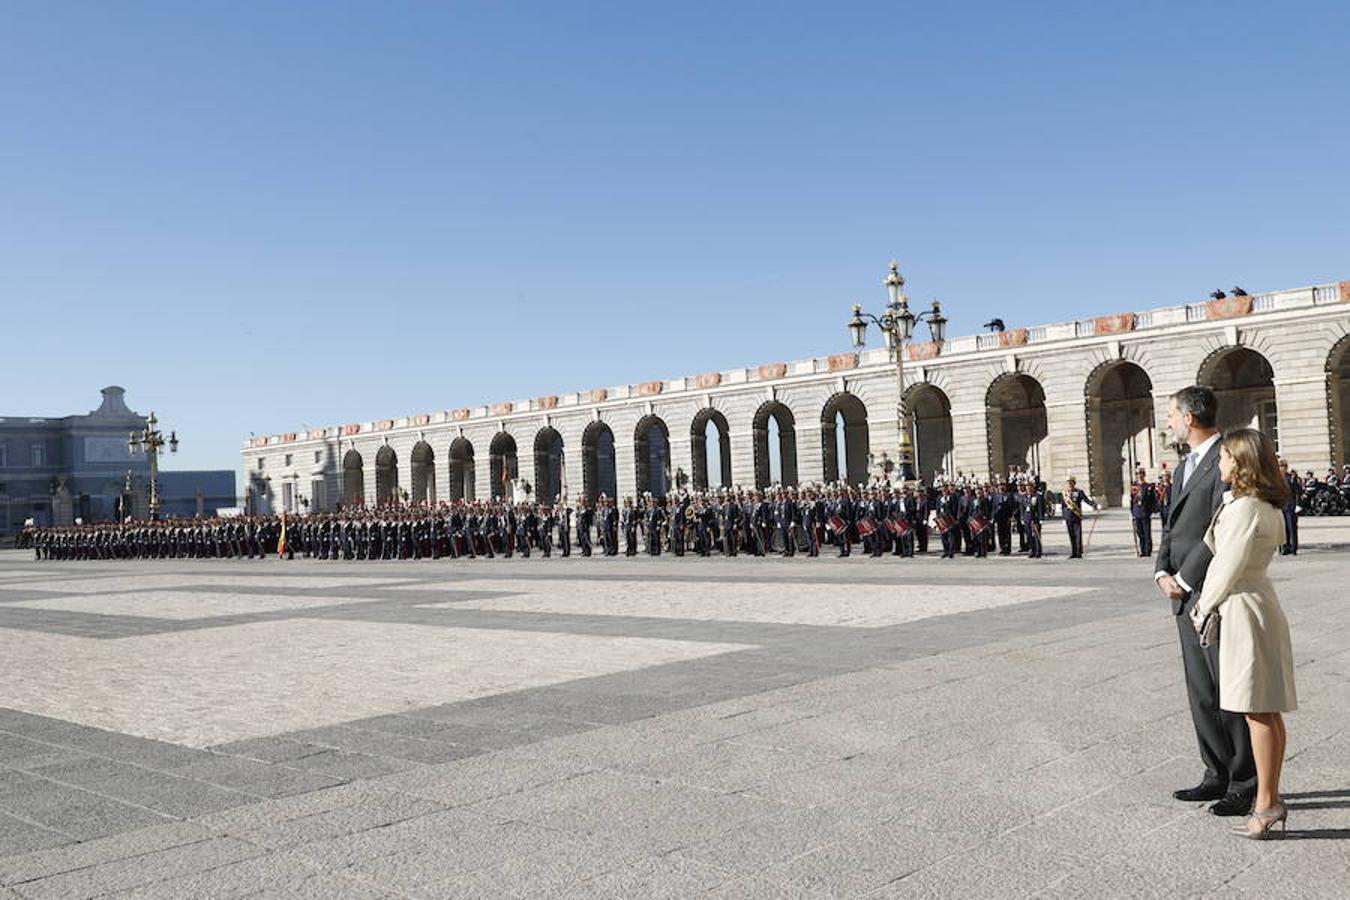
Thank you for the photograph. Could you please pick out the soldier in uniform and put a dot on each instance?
(1073, 516)
(610, 523)
(629, 521)
(585, 521)
(1143, 503)
(949, 505)
(1290, 510)
(789, 520)
(731, 525)
(1031, 510)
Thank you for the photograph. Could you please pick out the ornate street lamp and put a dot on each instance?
(897, 327)
(150, 439)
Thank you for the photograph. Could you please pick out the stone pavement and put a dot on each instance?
(640, 728)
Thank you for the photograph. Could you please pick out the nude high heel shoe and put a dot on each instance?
(1266, 820)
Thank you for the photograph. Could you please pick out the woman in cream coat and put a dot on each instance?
(1256, 661)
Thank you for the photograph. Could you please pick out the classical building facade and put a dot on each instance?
(1086, 398)
(54, 470)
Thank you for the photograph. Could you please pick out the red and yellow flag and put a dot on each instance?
(281, 541)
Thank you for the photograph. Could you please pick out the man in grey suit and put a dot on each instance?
(1183, 559)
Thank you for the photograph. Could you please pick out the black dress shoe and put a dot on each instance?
(1200, 792)
(1234, 805)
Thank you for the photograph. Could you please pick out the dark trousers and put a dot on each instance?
(949, 543)
(1004, 528)
(1032, 530)
(1290, 545)
(1143, 530)
(1074, 525)
(1225, 742)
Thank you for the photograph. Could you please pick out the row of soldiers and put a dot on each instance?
(967, 517)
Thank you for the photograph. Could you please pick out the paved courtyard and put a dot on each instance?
(641, 728)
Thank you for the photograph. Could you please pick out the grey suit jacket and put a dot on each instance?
(1182, 549)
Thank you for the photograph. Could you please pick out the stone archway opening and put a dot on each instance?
(1017, 423)
(461, 469)
(930, 415)
(353, 479)
(503, 465)
(1244, 383)
(710, 449)
(599, 470)
(548, 465)
(775, 432)
(1121, 428)
(422, 468)
(651, 446)
(1338, 401)
(844, 441)
(386, 476)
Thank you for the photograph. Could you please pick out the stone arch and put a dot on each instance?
(353, 479)
(930, 415)
(710, 424)
(1244, 382)
(1338, 400)
(386, 476)
(1017, 423)
(651, 450)
(1120, 427)
(599, 470)
(843, 428)
(422, 466)
(502, 464)
(775, 429)
(461, 469)
(548, 464)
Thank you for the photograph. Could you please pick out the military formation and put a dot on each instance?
(957, 516)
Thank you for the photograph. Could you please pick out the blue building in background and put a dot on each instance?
(57, 470)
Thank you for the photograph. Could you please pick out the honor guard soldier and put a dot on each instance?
(1073, 516)
(1031, 510)
(585, 521)
(1290, 510)
(1143, 503)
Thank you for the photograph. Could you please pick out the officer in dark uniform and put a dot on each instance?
(1031, 508)
(585, 521)
(1143, 503)
(1290, 510)
(949, 504)
(1073, 516)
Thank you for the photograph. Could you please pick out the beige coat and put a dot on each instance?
(1256, 660)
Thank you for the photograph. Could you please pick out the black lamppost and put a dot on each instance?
(151, 439)
(897, 327)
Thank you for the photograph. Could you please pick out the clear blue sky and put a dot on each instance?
(261, 215)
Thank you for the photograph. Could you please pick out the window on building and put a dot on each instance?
(288, 460)
(318, 456)
(261, 463)
(39, 456)
(4, 456)
(288, 496)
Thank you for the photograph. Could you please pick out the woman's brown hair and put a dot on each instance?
(1256, 467)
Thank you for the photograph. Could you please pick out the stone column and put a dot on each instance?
(679, 447)
(1095, 481)
(742, 438)
(1301, 422)
(979, 455)
(1064, 450)
(810, 453)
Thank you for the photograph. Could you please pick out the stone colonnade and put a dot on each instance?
(1060, 402)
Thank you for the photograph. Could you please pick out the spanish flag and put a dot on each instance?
(281, 541)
